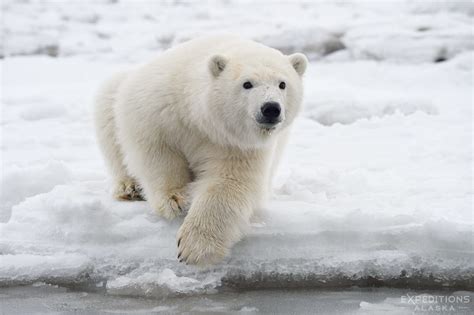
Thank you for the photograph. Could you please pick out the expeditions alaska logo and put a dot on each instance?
(437, 303)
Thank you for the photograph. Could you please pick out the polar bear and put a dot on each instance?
(198, 131)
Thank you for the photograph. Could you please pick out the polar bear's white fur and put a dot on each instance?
(190, 132)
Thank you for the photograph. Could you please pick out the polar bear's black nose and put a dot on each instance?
(271, 111)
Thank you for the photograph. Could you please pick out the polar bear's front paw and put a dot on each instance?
(198, 245)
(171, 205)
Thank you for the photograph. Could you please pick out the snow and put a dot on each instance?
(376, 183)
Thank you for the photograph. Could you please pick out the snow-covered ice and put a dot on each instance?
(375, 188)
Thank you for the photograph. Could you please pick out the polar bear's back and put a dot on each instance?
(191, 54)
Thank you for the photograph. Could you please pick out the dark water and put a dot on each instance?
(46, 299)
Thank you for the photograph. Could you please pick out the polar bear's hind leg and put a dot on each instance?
(125, 186)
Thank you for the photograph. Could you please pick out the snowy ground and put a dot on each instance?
(375, 189)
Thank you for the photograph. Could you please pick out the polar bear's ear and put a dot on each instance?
(217, 64)
(299, 62)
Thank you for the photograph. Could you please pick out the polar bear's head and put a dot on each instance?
(254, 94)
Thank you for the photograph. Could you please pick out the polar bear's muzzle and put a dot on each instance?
(270, 115)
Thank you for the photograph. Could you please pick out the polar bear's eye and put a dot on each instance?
(282, 85)
(248, 85)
